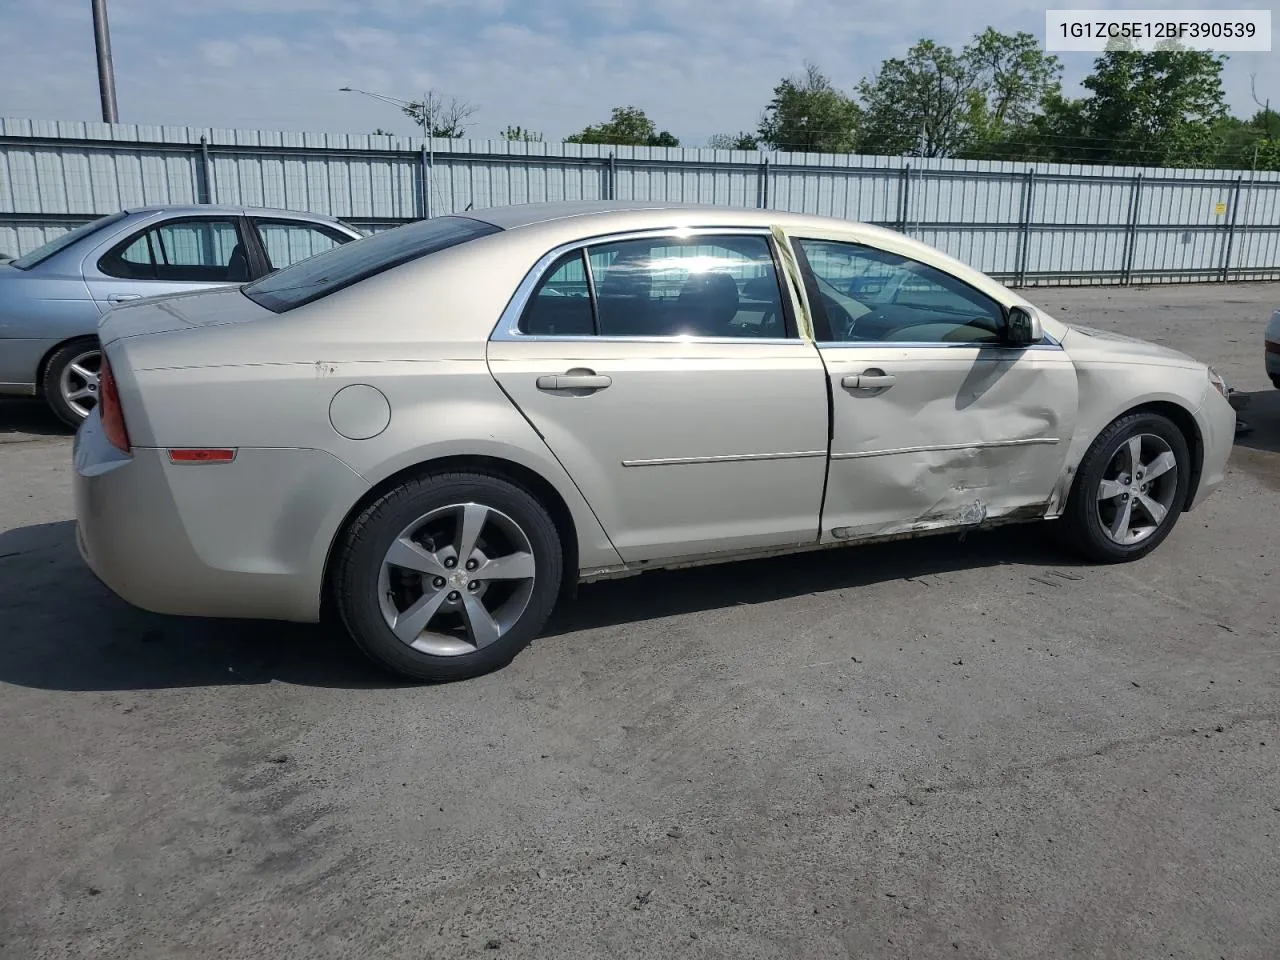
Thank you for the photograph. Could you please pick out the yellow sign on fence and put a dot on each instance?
(1219, 208)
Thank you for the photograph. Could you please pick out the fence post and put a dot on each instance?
(613, 174)
(1231, 230)
(1131, 233)
(1024, 228)
(206, 170)
(425, 207)
(762, 184)
(904, 193)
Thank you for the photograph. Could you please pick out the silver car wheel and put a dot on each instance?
(1137, 489)
(456, 579)
(79, 381)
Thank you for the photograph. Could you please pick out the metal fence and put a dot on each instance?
(1024, 223)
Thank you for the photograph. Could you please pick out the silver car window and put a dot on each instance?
(699, 286)
(867, 294)
(63, 241)
(288, 241)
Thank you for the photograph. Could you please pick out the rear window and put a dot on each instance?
(63, 241)
(330, 271)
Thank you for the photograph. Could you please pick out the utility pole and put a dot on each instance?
(106, 70)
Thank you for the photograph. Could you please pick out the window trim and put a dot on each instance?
(508, 326)
(120, 246)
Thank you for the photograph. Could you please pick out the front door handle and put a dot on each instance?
(869, 380)
(573, 380)
(122, 297)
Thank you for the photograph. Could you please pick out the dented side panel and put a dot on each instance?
(963, 436)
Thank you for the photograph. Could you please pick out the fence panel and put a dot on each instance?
(1032, 223)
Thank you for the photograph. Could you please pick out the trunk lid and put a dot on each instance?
(175, 313)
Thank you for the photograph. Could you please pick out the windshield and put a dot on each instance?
(330, 271)
(65, 240)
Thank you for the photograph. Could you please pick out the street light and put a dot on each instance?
(429, 174)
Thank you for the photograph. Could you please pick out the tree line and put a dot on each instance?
(999, 97)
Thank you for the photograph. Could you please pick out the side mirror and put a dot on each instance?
(1023, 327)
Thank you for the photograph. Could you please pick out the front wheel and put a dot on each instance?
(1130, 488)
(448, 576)
(70, 384)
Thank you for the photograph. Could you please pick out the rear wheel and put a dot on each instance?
(70, 384)
(448, 576)
(1130, 488)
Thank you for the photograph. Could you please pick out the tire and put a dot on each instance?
(68, 392)
(1275, 382)
(374, 590)
(1091, 517)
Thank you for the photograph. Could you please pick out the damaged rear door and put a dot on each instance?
(935, 421)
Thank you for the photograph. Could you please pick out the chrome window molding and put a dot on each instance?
(508, 326)
(1049, 343)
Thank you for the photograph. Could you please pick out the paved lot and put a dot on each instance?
(969, 748)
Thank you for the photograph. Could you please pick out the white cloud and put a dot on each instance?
(696, 66)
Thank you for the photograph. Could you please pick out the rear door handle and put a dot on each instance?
(122, 297)
(870, 380)
(574, 381)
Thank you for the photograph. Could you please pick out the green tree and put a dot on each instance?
(382, 133)
(808, 114)
(1158, 108)
(521, 135)
(1014, 82)
(626, 126)
(924, 104)
(733, 141)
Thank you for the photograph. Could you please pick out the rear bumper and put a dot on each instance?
(248, 539)
(1273, 360)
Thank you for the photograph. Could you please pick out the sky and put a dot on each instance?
(697, 67)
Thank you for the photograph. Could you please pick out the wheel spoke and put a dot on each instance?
(81, 394)
(1120, 525)
(1110, 488)
(480, 623)
(514, 566)
(85, 374)
(1135, 455)
(411, 622)
(473, 519)
(1154, 509)
(413, 556)
(1159, 466)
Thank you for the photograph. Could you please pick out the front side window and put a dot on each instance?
(190, 251)
(702, 286)
(288, 241)
(867, 294)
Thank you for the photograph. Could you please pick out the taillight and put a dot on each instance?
(110, 410)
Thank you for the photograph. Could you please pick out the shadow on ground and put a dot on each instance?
(63, 630)
(31, 417)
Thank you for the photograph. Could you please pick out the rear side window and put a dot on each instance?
(289, 241)
(561, 306)
(340, 267)
(196, 250)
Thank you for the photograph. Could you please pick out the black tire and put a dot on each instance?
(1275, 382)
(1081, 524)
(363, 545)
(52, 381)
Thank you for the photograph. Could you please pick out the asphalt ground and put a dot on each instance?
(948, 747)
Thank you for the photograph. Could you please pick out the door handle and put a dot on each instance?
(574, 381)
(122, 297)
(869, 380)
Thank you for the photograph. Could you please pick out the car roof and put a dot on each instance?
(201, 209)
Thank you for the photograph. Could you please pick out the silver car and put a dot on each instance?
(52, 299)
(438, 431)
